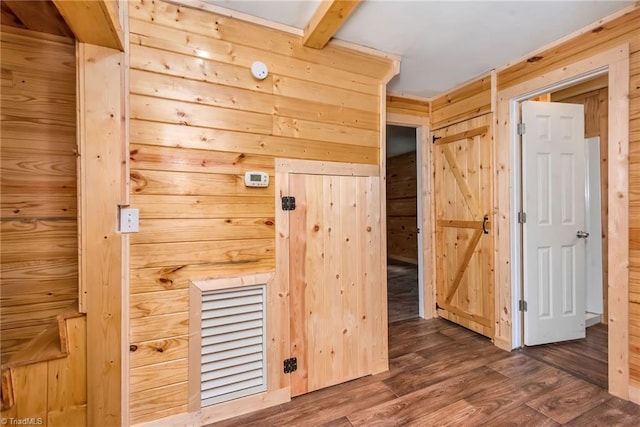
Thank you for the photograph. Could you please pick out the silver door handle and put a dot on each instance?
(582, 234)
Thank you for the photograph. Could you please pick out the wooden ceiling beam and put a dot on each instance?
(38, 15)
(327, 19)
(94, 22)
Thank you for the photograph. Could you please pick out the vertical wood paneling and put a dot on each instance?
(37, 161)
(200, 121)
(55, 390)
(464, 195)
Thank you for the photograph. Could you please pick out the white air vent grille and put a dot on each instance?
(233, 344)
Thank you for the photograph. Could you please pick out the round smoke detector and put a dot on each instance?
(259, 70)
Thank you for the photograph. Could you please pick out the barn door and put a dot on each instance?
(337, 295)
(464, 236)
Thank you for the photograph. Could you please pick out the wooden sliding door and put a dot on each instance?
(464, 236)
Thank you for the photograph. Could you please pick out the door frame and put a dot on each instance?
(615, 62)
(425, 210)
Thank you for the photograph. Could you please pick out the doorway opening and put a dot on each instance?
(402, 223)
(577, 289)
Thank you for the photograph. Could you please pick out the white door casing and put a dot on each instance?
(554, 258)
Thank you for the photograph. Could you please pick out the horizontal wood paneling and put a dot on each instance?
(466, 102)
(157, 375)
(204, 229)
(38, 209)
(203, 206)
(402, 191)
(242, 33)
(177, 159)
(188, 183)
(199, 122)
(158, 402)
(188, 43)
(156, 303)
(173, 135)
(144, 353)
(159, 327)
(606, 36)
(158, 255)
(409, 106)
(401, 207)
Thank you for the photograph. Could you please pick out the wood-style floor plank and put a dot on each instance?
(451, 376)
(442, 374)
(570, 400)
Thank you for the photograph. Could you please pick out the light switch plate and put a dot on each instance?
(129, 218)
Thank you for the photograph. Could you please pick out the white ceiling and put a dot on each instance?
(444, 43)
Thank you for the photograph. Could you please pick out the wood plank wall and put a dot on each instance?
(398, 104)
(38, 161)
(625, 29)
(470, 100)
(199, 120)
(402, 189)
(54, 391)
(475, 97)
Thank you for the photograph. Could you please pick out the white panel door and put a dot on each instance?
(554, 263)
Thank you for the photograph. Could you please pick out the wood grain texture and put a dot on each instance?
(40, 15)
(402, 188)
(199, 122)
(397, 104)
(101, 175)
(52, 387)
(463, 198)
(326, 20)
(470, 100)
(93, 22)
(621, 30)
(575, 57)
(38, 219)
(442, 374)
(240, 32)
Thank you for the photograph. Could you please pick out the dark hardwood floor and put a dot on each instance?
(402, 291)
(442, 374)
(586, 359)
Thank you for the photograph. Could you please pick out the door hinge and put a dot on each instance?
(521, 128)
(522, 217)
(522, 305)
(288, 203)
(418, 230)
(290, 365)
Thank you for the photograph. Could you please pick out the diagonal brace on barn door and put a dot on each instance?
(472, 204)
(463, 266)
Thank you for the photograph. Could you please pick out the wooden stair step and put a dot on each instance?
(45, 346)
(52, 343)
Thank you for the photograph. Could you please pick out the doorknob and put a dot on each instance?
(582, 234)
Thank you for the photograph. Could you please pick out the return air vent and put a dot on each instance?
(233, 344)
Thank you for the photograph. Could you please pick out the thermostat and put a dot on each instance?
(256, 179)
